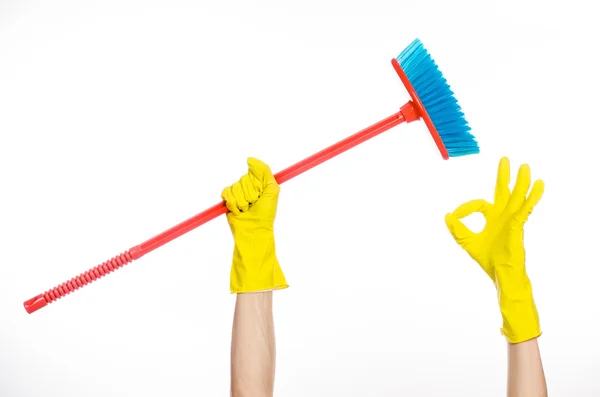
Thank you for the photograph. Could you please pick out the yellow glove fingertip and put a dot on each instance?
(448, 220)
(539, 185)
(262, 172)
(451, 224)
(457, 229)
(504, 170)
(260, 169)
(532, 200)
(537, 191)
(257, 167)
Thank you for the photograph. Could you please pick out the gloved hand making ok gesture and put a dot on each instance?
(499, 248)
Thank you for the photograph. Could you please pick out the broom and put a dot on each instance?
(432, 100)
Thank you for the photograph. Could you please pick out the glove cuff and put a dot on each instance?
(520, 320)
(256, 268)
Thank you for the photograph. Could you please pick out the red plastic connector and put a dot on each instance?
(35, 303)
(421, 109)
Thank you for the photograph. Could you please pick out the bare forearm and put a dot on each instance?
(525, 371)
(253, 346)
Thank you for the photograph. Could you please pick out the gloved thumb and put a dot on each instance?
(262, 173)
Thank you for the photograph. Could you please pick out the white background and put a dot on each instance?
(119, 119)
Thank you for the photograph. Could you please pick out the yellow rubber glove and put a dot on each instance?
(499, 248)
(252, 202)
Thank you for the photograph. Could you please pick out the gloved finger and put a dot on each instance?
(502, 192)
(230, 201)
(457, 229)
(239, 195)
(251, 188)
(262, 172)
(534, 197)
(471, 207)
(520, 190)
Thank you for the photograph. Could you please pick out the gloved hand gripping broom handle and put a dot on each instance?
(407, 113)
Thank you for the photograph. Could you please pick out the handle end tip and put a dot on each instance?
(35, 304)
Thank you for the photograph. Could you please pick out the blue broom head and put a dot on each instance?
(438, 100)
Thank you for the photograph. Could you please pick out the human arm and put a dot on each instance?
(255, 273)
(525, 371)
(253, 346)
(499, 250)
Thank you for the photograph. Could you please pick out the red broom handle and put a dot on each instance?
(281, 177)
(182, 228)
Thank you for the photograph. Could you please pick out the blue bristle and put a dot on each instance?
(438, 100)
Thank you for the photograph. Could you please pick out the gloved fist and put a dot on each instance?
(252, 202)
(499, 248)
